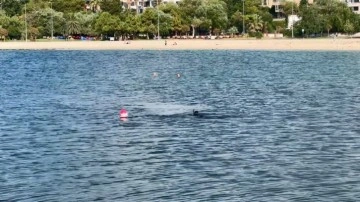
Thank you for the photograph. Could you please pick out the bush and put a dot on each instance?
(257, 35)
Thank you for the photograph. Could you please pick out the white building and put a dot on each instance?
(354, 5)
(292, 19)
(138, 5)
(279, 5)
(141, 5)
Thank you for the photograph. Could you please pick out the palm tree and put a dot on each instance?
(256, 24)
(233, 30)
(95, 5)
(73, 27)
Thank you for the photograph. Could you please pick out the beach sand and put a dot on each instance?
(196, 44)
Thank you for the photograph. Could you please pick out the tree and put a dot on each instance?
(3, 33)
(173, 10)
(73, 27)
(107, 24)
(215, 12)
(12, 7)
(290, 8)
(237, 20)
(148, 21)
(303, 3)
(68, 6)
(349, 27)
(251, 6)
(47, 20)
(86, 21)
(150, 18)
(95, 5)
(328, 25)
(195, 23)
(256, 24)
(114, 7)
(15, 27)
(188, 12)
(176, 25)
(4, 20)
(33, 32)
(233, 30)
(165, 25)
(185, 29)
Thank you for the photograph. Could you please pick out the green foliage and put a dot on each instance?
(68, 6)
(215, 12)
(304, 3)
(86, 21)
(33, 33)
(107, 24)
(114, 7)
(349, 27)
(73, 26)
(15, 27)
(291, 8)
(327, 16)
(3, 33)
(189, 17)
(311, 20)
(259, 35)
(12, 7)
(45, 20)
(233, 30)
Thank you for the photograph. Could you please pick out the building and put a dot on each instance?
(278, 5)
(354, 5)
(271, 3)
(141, 5)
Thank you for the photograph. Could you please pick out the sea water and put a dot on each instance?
(277, 126)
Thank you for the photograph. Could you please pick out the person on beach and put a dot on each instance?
(165, 42)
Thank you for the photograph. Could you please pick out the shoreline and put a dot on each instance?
(192, 44)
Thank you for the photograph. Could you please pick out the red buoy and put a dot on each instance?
(123, 113)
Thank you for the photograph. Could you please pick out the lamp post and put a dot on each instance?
(292, 19)
(52, 21)
(302, 30)
(158, 20)
(243, 32)
(26, 32)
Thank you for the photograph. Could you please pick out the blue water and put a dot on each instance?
(276, 126)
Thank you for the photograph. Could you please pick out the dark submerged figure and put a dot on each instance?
(195, 113)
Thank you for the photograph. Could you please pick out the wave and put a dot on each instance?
(168, 109)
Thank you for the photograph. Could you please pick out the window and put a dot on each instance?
(356, 8)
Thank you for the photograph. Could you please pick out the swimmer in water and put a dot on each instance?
(195, 113)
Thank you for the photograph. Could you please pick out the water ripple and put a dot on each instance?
(272, 128)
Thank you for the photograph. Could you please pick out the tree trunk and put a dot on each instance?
(193, 31)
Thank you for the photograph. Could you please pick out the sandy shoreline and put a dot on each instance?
(224, 44)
